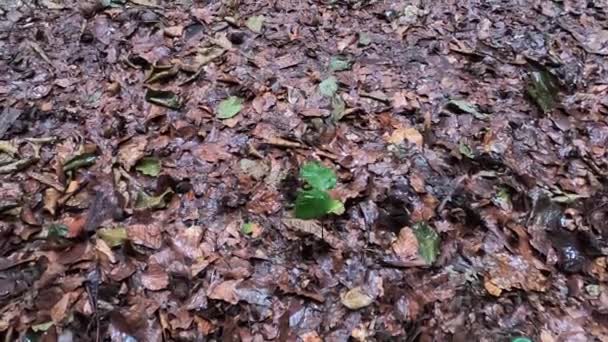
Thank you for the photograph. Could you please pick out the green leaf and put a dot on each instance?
(82, 160)
(318, 176)
(229, 107)
(428, 242)
(466, 150)
(145, 201)
(313, 203)
(164, 98)
(114, 237)
(149, 166)
(339, 63)
(57, 230)
(247, 228)
(255, 23)
(329, 86)
(467, 107)
(543, 88)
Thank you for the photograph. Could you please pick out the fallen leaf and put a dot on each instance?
(428, 242)
(165, 98)
(356, 299)
(155, 278)
(229, 107)
(409, 133)
(113, 237)
(130, 152)
(145, 201)
(174, 31)
(255, 23)
(75, 225)
(50, 200)
(406, 246)
(543, 89)
(339, 63)
(467, 107)
(146, 235)
(149, 166)
(225, 291)
(329, 86)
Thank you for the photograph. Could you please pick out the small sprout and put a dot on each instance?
(314, 201)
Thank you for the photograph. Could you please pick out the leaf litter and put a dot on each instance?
(156, 185)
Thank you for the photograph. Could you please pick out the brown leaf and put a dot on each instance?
(406, 246)
(75, 225)
(405, 133)
(507, 272)
(146, 235)
(50, 200)
(225, 291)
(155, 278)
(58, 311)
(212, 152)
(174, 31)
(313, 228)
(132, 151)
(266, 201)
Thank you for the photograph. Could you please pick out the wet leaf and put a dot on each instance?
(312, 204)
(113, 237)
(255, 23)
(164, 98)
(318, 176)
(543, 89)
(428, 242)
(467, 107)
(149, 166)
(329, 86)
(339, 63)
(229, 107)
(356, 299)
(145, 201)
(79, 161)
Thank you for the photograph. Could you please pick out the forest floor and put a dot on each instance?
(150, 156)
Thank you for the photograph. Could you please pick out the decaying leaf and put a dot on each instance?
(467, 107)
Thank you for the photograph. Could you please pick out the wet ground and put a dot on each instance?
(150, 155)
